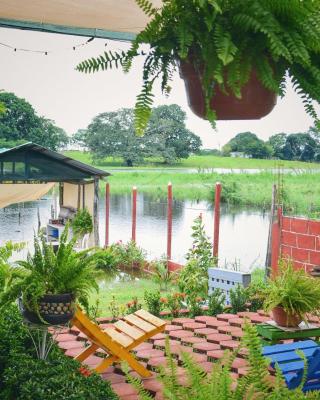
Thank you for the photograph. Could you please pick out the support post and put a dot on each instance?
(169, 221)
(276, 242)
(95, 212)
(60, 194)
(79, 197)
(216, 220)
(106, 243)
(272, 220)
(134, 214)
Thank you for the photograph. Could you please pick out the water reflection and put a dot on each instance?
(243, 232)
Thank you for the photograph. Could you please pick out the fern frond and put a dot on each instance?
(143, 108)
(105, 61)
(147, 7)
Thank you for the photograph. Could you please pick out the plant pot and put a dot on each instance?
(54, 309)
(256, 101)
(282, 318)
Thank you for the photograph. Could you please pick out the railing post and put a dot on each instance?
(169, 221)
(134, 213)
(106, 243)
(216, 219)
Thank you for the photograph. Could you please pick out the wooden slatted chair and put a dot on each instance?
(118, 340)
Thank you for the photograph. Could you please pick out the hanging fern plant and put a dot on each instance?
(226, 40)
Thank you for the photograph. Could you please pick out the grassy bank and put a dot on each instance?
(301, 187)
(199, 162)
(302, 191)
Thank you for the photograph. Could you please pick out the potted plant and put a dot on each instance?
(291, 295)
(50, 283)
(234, 55)
(82, 224)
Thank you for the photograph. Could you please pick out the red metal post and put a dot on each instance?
(169, 222)
(134, 213)
(276, 243)
(216, 219)
(106, 243)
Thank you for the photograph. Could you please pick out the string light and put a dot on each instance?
(46, 52)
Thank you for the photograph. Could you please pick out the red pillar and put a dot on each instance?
(216, 220)
(106, 243)
(276, 243)
(134, 214)
(169, 221)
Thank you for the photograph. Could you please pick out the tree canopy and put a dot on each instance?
(113, 134)
(19, 123)
(249, 144)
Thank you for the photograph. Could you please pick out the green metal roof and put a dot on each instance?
(32, 162)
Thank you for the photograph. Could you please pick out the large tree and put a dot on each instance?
(249, 144)
(113, 134)
(19, 122)
(278, 142)
(300, 146)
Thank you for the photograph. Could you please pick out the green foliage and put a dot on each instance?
(20, 123)
(128, 255)
(112, 134)
(294, 290)
(226, 40)
(238, 299)
(8, 273)
(115, 309)
(153, 301)
(82, 223)
(106, 260)
(161, 274)
(249, 144)
(47, 272)
(201, 246)
(218, 384)
(174, 303)
(193, 280)
(133, 306)
(256, 295)
(216, 302)
(24, 377)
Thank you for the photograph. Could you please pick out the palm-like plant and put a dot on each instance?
(225, 40)
(47, 272)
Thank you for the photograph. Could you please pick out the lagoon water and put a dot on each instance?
(243, 232)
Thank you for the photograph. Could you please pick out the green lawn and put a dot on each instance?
(123, 292)
(198, 162)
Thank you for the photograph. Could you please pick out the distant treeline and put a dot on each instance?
(295, 146)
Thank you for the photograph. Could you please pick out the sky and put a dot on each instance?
(70, 98)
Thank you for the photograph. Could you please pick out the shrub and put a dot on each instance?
(193, 280)
(128, 255)
(153, 301)
(133, 306)
(162, 276)
(238, 299)
(175, 303)
(24, 377)
(216, 302)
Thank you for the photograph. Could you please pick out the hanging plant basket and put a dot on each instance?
(282, 318)
(256, 101)
(54, 309)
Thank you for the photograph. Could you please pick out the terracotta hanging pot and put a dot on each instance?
(282, 318)
(256, 101)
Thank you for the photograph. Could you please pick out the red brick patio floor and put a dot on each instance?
(204, 337)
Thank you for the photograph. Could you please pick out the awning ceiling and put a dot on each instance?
(120, 19)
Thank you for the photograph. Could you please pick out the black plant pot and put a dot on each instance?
(54, 309)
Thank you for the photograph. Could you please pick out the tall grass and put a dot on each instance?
(302, 190)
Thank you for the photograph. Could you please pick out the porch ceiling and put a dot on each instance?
(122, 17)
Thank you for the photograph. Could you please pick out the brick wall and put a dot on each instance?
(298, 239)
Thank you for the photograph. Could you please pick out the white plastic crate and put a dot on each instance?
(226, 280)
